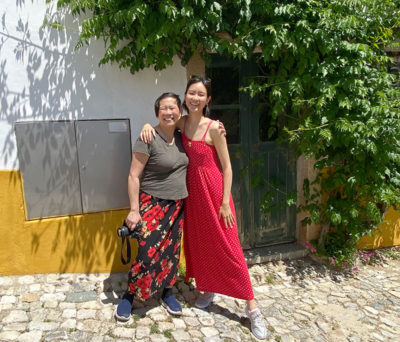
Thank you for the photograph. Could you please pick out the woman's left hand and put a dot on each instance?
(147, 133)
(226, 213)
(221, 128)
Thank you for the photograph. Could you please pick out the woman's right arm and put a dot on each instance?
(139, 161)
(148, 132)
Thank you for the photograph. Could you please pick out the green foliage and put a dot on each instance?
(327, 76)
(144, 33)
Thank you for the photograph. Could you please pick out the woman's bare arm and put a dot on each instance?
(139, 161)
(148, 132)
(219, 141)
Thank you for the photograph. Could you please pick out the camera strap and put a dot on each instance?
(128, 250)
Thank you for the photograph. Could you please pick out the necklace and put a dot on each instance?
(196, 127)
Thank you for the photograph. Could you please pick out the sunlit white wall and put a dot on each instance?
(43, 77)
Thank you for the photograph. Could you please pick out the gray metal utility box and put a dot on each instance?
(73, 167)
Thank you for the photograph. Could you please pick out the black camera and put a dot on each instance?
(124, 231)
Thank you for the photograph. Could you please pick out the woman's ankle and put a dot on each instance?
(167, 292)
(128, 296)
(251, 305)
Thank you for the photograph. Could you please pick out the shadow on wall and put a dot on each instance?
(42, 77)
(81, 243)
(49, 80)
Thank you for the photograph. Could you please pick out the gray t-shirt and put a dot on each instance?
(164, 175)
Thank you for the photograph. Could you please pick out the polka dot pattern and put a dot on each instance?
(214, 256)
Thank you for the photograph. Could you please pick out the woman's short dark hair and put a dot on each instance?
(207, 84)
(164, 96)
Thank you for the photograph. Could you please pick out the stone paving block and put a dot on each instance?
(162, 326)
(30, 297)
(181, 335)
(371, 310)
(377, 337)
(15, 327)
(195, 334)
(146, 321)
(69, 324)
(387, 321)
(206, 321)
(159, 317)
(213, 339)
(80, 297)
(287, 338)
(30, 336)
(90, 305)
(142, 332)
(85, 314)
(56, 336)
(26, 280)
(179, 323)
(9, 335)
(231, 336)
(51, 304)
(124, 332)
(69, 313)
(43, 326)
(158, 338)
(191, 321)
(49, 288)
(79, 336)
(8, 300)
(209, 331)
(221, 327)
(89, 325)
(6, 282)
(16, 316)
(97, 339)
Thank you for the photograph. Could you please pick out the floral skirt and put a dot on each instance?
(157, 261)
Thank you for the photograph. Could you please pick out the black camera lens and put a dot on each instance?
(123, 231)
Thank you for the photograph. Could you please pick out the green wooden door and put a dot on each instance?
(260, 167)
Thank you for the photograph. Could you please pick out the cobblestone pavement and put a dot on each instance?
(301, 301)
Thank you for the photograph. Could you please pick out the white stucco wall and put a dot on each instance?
(42, 77)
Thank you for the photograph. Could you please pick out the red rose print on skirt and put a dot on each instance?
(151, 252)
(132, 287)
(145, 293)
(152, 225)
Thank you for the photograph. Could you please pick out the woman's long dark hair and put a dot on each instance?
(207, 84)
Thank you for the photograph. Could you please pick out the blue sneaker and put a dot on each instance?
(171, 304)
(124, 308)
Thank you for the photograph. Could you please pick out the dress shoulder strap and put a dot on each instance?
(205, 133)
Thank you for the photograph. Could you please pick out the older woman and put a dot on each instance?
(156, 187)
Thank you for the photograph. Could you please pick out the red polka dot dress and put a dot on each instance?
(213, 253)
